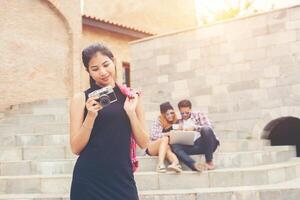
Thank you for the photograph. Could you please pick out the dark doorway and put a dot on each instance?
(126, 73)
(283, 131)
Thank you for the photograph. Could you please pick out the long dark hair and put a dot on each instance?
(90, 51)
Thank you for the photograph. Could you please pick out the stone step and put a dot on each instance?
(229, 145)
(38, 139)
(236, 193)
(63, 126)
(46, 103)
(23, 119)
(35, 196)
(38, 110)
(41, 139)
(7, 129)
(61, 152)
(147, 163)
(39, 107)
(233, 134)
(266, 174)
(35, 153)
(261, 175)
(283, 191)
(231, 159)
(47, 128)
(289, 190)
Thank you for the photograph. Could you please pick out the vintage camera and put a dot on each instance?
(105, 96)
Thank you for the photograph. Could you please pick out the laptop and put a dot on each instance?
(182, 137)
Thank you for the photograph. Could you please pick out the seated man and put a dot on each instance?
(205, 142)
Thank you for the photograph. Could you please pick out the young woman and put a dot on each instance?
(159, 145)
(101, 136)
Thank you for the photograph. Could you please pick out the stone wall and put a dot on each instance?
(39, 50)
(242, 73)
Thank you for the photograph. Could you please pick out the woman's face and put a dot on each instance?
(102, 70)
(170, 114)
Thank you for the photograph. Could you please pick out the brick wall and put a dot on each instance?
(39, 50)
(154, 16)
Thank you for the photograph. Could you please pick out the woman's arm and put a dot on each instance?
(136, 115)
(140, 112)
(80, 130)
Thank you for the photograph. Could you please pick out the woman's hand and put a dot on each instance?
(189, 128)
(131, 104)
(166, 134)
(180, 127)
(93, 106)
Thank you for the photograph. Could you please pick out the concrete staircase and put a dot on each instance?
(36, 163)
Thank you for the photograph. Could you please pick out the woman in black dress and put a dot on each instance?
(101, 136)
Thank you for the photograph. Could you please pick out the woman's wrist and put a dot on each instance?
(131, 114)
(88, 123)
(86, 127)
(91, 115)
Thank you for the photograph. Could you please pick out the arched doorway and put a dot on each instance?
(283, 131)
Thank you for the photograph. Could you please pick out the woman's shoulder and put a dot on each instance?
(77, 103)
(159, 120)
(156, 122)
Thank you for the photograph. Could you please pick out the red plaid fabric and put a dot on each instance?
(156, 130)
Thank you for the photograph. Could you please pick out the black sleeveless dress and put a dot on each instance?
(103, 169)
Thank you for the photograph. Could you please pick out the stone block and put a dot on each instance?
(162, 60)
(267, 83)
(62, 139)
(245, 85)
(215, 196)
(276, 38)
(255, 54)
(276, 175)
(23, 185)
(56, 185)
(254, 177)
(26, 140)
(194, 53)
(195, 180)
(183, 66)
(34, 153)
(292, 25)
(278, 50)
(15, 168)
(220, 89)
(222, 179)
(203, 100)
(10, 154)
(163, 79)
(294, 14)
(147, 181)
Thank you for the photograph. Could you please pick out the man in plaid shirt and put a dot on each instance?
(205, 141)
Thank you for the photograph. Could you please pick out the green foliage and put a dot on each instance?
(232, 11)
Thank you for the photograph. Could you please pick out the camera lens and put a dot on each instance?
(104, 101)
